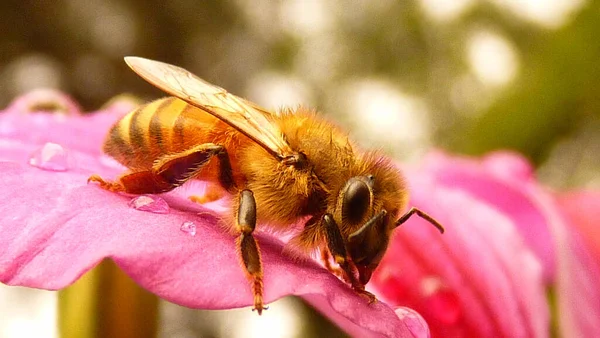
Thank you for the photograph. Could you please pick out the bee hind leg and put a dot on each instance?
(248, 248)
(171, 171)
(141, 182)
(106, 185)
(178, 168)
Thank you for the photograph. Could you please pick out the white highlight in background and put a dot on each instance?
(550, 14)
(279, 321)
(445, 10)
(274, 91)
(384, 116)
(492, 58)
(27, 313)
(305, 18)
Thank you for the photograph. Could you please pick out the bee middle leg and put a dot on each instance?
(171, 171)
(248, 248)
(211, 194)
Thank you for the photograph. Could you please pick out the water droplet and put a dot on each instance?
(414, 322)
(51, 156)
(440, 300)
(188, 227)
(150, 203)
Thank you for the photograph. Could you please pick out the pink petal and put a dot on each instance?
(54, 227)
(564, 238)
(50, 242)
(577, 292)
(479, 279)
(84, 133)
(45, 100)
(582, 209)
(577, 268)
(499, 180)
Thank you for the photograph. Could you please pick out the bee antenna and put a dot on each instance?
(421, 214)
(360, 233)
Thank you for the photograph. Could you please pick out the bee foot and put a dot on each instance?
(259, 308)
(366, 294)
(258, 304)
(110, 186)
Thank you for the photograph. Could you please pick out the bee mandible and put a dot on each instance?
(280, 168)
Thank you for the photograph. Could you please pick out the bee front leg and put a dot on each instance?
(337, 247)
(248, 248)
(336, 270)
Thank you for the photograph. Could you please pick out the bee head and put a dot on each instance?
(366, 245)
(370, 224)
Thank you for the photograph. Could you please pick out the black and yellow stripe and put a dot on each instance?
(155, 129)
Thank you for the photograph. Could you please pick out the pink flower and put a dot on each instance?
(54, 227)
(508, 240)
(508, 243)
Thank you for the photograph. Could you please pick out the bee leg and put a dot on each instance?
(141, 182)
(178, 168)
(337, 248)
(335, 243)
(248, 248)
(326, 258)
(107, 185)
(171, 171)
(211, 194)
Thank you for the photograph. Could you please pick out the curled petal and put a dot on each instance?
(577, 292)
(500, 180)
(478, 279)
(582, 209)
(46, 101)
(560, 230)
(84, 133)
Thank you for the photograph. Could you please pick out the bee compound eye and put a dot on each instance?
(356, 200)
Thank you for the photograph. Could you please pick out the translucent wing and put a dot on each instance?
(250, 119)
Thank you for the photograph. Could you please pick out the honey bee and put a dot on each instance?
(280, 168)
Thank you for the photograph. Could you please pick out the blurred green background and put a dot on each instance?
(467, 76)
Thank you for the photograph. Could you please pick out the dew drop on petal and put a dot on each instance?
(440, 300)
(50, 156)
(150, 203)
(188, 227)
(414, 322)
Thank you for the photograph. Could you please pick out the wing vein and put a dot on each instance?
(255, 122)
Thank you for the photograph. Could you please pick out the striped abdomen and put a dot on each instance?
(161, 127)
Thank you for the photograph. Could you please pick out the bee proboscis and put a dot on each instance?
(280, 167)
